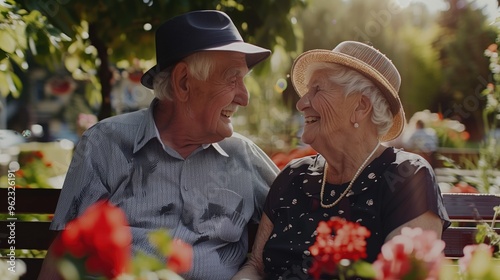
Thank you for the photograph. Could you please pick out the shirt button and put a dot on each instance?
(185, 188)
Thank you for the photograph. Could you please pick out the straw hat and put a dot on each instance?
(366, 60)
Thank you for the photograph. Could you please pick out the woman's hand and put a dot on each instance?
(253, 269)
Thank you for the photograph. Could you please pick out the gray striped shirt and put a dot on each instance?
(206, 199)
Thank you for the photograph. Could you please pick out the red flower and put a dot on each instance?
(101, 236)
(38, 154)
(181, 258)
(328, 250)
(282, 159)
(463, 187)
(20, 173)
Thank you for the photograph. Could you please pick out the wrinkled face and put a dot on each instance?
(326, 110)
(214, 101)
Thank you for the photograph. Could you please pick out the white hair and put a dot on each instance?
(200, 65)
(352, 81)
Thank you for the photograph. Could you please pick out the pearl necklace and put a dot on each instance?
(350, 184)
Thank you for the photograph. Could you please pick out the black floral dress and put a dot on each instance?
(393, 189)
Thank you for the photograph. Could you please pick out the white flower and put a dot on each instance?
(487, 53)
(9, 272)
(496, 69)
(491, 101)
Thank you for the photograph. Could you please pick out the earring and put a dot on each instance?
(356, 125)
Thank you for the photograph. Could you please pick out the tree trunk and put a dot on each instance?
(104, 73)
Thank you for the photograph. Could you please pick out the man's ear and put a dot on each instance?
(363, 109)
(180, 84)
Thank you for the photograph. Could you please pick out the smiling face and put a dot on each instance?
(213, 101)
(326, 110)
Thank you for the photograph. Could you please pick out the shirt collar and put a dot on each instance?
(147, 128)
(218, 148)
(147, 131)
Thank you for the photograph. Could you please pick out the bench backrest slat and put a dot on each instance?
(27, 201)
(34, 235)
(465, 206)
(466, 209)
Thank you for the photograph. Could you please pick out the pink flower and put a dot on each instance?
(394, 261)
(414, 252)
(469, 251)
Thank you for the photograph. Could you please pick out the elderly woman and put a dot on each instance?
(349, 98)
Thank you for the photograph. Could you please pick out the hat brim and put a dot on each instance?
(391, 95)
(254, 55)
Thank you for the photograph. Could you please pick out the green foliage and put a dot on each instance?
(461, 41)
(363, 269)
(116, 32)
(489, 152)
(486, 233)
(403, 34)
(35, 172)
(419, 88)
(22, 33)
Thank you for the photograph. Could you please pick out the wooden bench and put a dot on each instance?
(462, 208)
(465, 210)
(28, 235)
(35, 235)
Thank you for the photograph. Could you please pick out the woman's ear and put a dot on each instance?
(363, 110)
(180, 85)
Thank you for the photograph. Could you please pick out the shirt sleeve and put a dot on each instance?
(265, 172)
(84, 182)
(412, 191)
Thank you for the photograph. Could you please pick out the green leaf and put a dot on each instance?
(481, 233)
(72, 63)
(17, 84)
(3, 55)
(143, 262)
(363, 269)
(5, 83)
(7, 42)
(20, 33)
(161, 240)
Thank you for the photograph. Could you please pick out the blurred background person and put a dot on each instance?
(423, 141)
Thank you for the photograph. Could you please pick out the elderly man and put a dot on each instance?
(178, 165)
